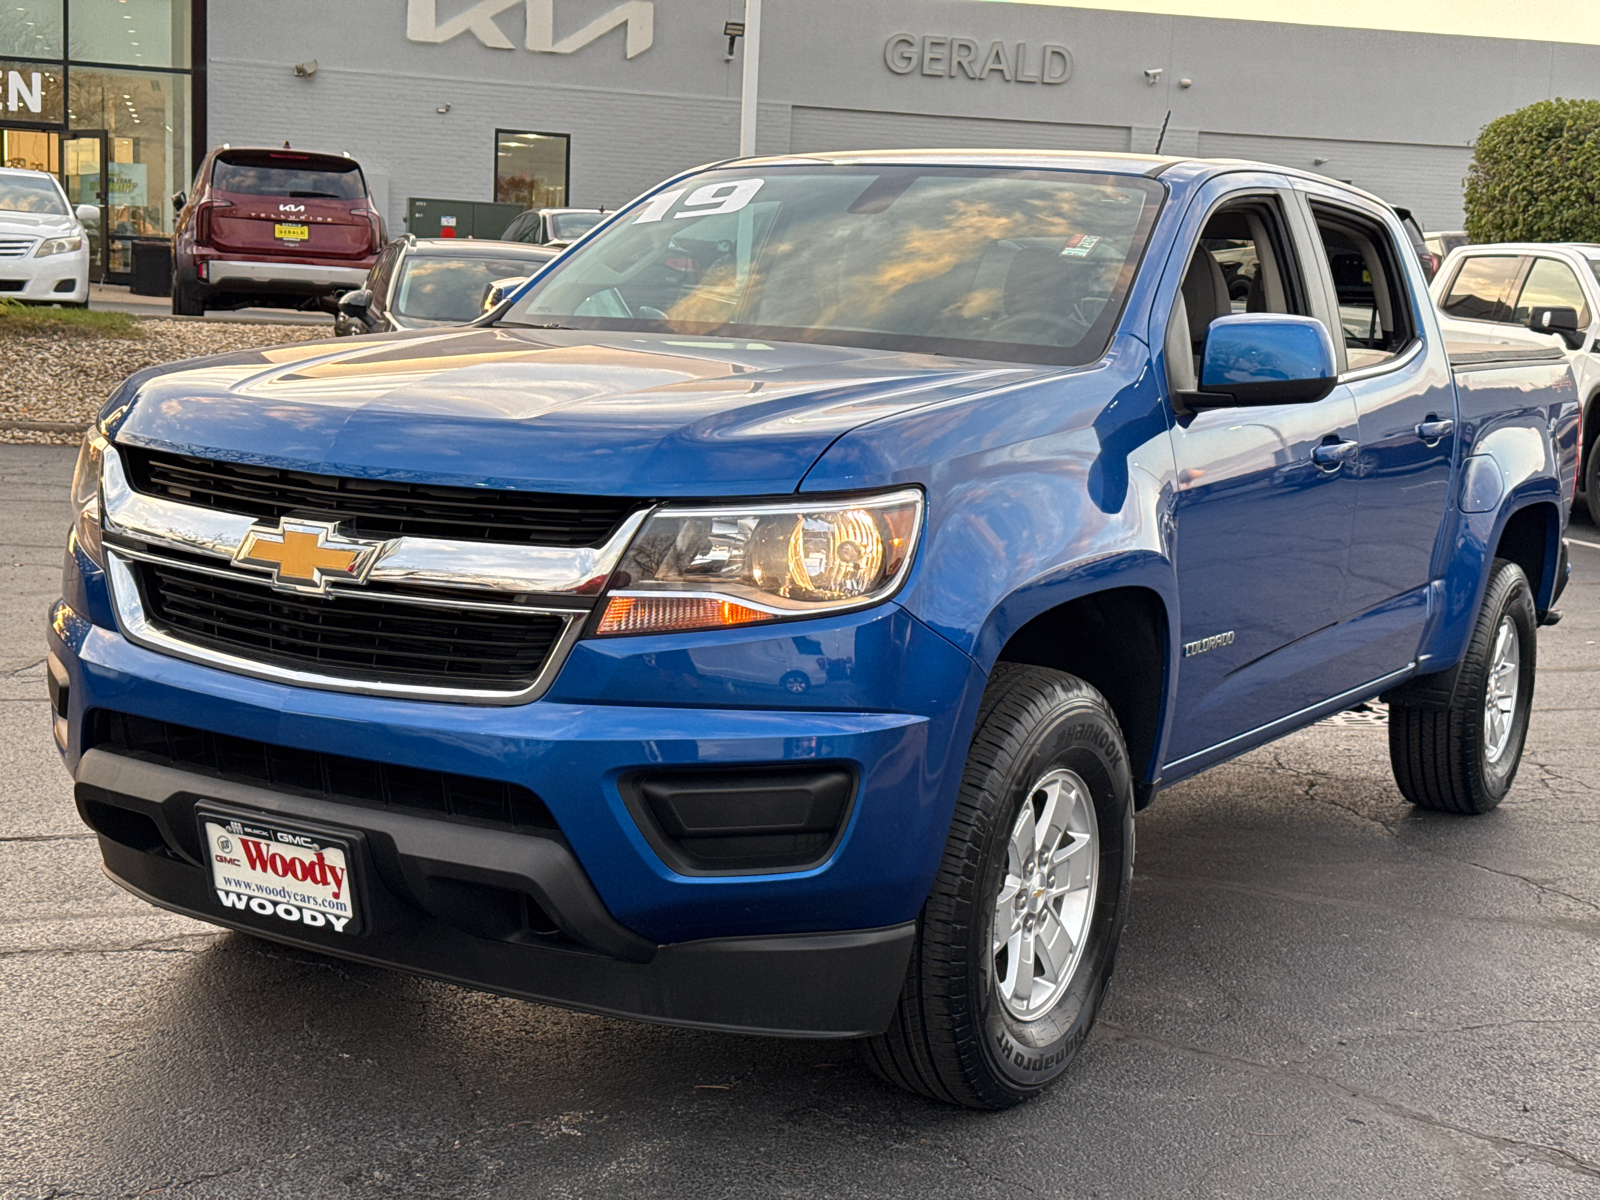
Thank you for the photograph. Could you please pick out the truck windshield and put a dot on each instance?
(977, 262)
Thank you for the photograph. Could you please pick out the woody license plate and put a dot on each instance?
(296, 876)
(291, 233)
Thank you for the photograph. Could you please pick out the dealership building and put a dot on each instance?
(588, 102)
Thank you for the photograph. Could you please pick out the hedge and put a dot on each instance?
(1535, 175)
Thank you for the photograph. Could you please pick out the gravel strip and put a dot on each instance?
(60, 379)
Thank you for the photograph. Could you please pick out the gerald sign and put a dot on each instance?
(966, 58)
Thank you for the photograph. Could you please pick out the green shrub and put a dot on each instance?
(1535, 175)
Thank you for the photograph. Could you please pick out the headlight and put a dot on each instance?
(63, 245)
(711, 568)
(86, 496)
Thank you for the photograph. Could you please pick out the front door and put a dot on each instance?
(84, 173)
(1263, 529)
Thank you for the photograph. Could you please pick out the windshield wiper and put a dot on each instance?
(314, 195)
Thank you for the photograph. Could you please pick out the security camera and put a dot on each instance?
(1152, 75)
(306, 69)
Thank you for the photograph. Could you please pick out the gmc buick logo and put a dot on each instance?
(423, 25)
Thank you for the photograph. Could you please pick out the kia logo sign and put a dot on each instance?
(291, 208)
(423, 25)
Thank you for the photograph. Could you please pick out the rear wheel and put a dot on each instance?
(187, 301)
(1016, 942)
(1463, 759)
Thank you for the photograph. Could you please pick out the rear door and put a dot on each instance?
(289, 203)
(1399, 378)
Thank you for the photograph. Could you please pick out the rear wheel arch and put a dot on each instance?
(1117, 640)
(1531, 538)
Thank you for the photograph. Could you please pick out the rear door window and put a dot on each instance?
(1374, 302)
(1480, 288)
(305, 176)
(1551, 284)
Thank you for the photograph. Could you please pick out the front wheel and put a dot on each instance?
(1016, 942)
(1462, 759)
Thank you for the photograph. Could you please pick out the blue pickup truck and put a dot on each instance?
(771, 618)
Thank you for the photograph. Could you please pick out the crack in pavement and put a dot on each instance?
(50, 837)
(158, 946)
(1551, 1156)
(167, 1187)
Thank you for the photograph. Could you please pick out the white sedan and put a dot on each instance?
(44, 252)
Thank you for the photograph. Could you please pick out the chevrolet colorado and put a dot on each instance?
(772, 616)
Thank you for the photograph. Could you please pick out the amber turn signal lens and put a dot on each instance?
(669, 614)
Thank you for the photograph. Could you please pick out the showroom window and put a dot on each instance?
(530, 169)
(104, 92)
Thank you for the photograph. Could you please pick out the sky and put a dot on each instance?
(1540, 21)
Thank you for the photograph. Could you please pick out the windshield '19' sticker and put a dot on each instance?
(702, 202)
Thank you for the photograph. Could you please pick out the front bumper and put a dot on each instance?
(427, 913)
(58, 279)
(813, 952)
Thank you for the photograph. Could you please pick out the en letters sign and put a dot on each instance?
(966, 58)
(28, 93)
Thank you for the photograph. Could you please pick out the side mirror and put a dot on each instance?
(1561, 321)
(355, 305)
(179, 202)
(87, 212)
(1264, 358)
(494, 294)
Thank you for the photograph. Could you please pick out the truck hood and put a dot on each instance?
(544, 410)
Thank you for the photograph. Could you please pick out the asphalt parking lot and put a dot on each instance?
(1322, 993)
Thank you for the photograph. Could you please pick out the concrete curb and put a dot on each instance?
(45, 426)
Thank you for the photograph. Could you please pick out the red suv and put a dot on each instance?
(285, 228)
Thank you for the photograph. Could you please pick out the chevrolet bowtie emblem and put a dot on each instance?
(304, 556)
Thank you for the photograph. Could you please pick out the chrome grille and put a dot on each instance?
(469, 621)
(17, 247)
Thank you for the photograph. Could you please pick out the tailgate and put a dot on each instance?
(264, 224)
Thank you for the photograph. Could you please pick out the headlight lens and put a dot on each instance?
(86, 496)
(712, 568)
(61, 245)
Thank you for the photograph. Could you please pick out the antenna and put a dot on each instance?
(1163, 135)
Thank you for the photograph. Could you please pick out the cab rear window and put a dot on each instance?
(306, 176)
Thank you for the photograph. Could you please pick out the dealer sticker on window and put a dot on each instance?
(1079, 245)
(279, 872)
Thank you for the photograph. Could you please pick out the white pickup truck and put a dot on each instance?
(1514, 293)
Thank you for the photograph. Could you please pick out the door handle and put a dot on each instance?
(1332, 454)
(1433, 429)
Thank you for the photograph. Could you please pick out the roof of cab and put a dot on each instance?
(1178, 168)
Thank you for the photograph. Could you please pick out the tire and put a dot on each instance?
(1049, 741)
(1456, 759)
(187, 301)
(1591, 480)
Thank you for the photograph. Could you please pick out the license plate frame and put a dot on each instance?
(334, 869)
(291, 231)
